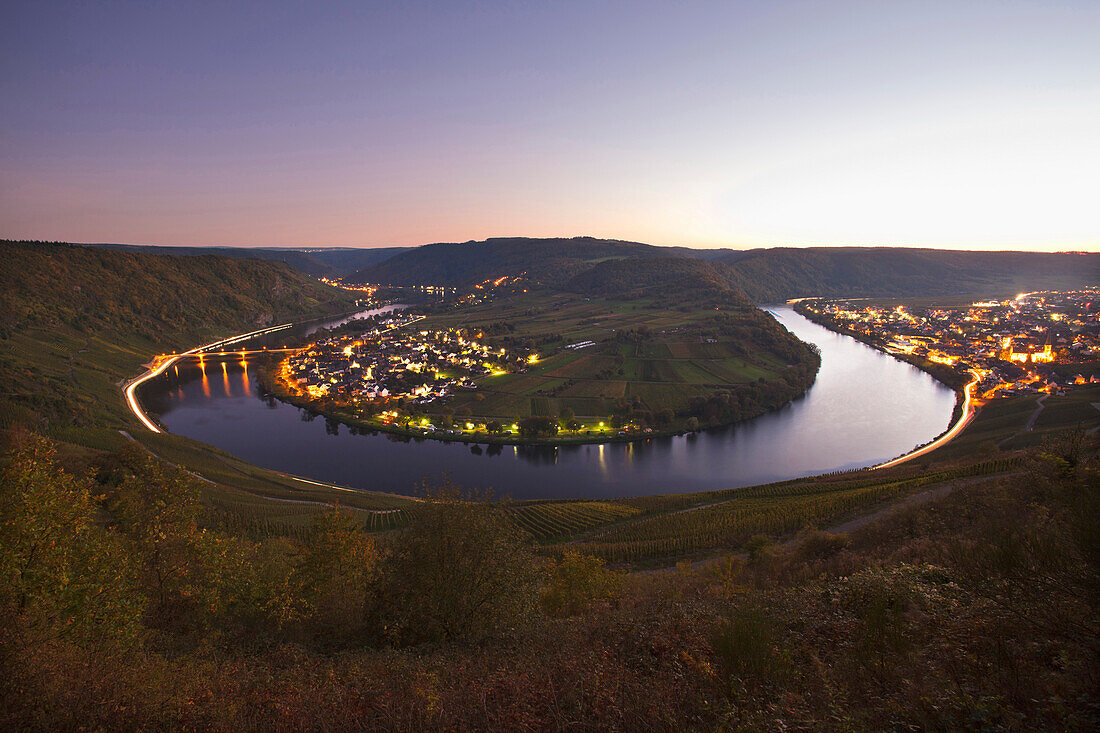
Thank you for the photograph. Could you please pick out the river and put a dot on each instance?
(864, 408)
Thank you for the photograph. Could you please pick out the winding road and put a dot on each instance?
(968, 414)
(157, 368)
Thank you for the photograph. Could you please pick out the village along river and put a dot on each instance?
(865, 408)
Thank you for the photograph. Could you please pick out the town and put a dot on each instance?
(1045, 341)
(387, 364)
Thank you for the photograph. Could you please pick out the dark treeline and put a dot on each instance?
(317, 261)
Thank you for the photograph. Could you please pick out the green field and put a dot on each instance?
(652, 355)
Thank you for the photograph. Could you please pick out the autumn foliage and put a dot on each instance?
(124, 606)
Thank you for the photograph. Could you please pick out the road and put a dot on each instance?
(964, 420)
(1035, 415)
(157, 368)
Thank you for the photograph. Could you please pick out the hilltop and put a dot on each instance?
(764, 275)
(551, 261)
(317, 261)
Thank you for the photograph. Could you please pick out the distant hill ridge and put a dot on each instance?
(652, 275)
(783, 272)
(316, 261)
(552, 261)
(763, 275)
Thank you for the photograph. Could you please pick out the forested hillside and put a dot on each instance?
(74, 320)
(764, 275)
(778, 274)
(652, 276)
(316, 261)
(552, 261)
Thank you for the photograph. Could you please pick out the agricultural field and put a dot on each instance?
(554, 520)
(730, 518)
(648, 354)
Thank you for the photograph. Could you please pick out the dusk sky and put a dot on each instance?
(957, 124)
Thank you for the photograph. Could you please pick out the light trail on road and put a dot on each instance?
(967, 416)
(130, 389)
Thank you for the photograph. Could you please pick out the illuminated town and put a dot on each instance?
(387, 364)
(1028, 344)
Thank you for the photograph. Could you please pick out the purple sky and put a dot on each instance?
(960, 124)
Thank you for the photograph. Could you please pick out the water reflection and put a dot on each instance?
(864, 408)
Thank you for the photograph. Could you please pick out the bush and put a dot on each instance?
(337, 573)
(746, 645)
(462, 570)
(576, 582)
(62, 577)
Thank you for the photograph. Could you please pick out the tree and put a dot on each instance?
(157, 507)
(621, 413)
(664, 417)
(462, 570)
(576, 582)
(538, 427)
(61, 574)
(568, 419)
(337, 571)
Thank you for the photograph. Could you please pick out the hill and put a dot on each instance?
(74, 320)
(770, 275)
(552, 261)
(317, 261)
(764, 275)
(614, 355)
(663, 275)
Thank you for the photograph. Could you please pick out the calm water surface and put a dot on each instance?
(864, 408)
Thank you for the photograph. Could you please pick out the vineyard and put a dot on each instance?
(554, 520)
(628, 530)
(771, 509)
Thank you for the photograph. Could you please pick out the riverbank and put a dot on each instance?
(964, 410)
(269, 381)
(158, 366)
(940, 372)
(864, 408)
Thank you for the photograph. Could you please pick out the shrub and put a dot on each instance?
(462, 570)
(576, 582)
(61, 575)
